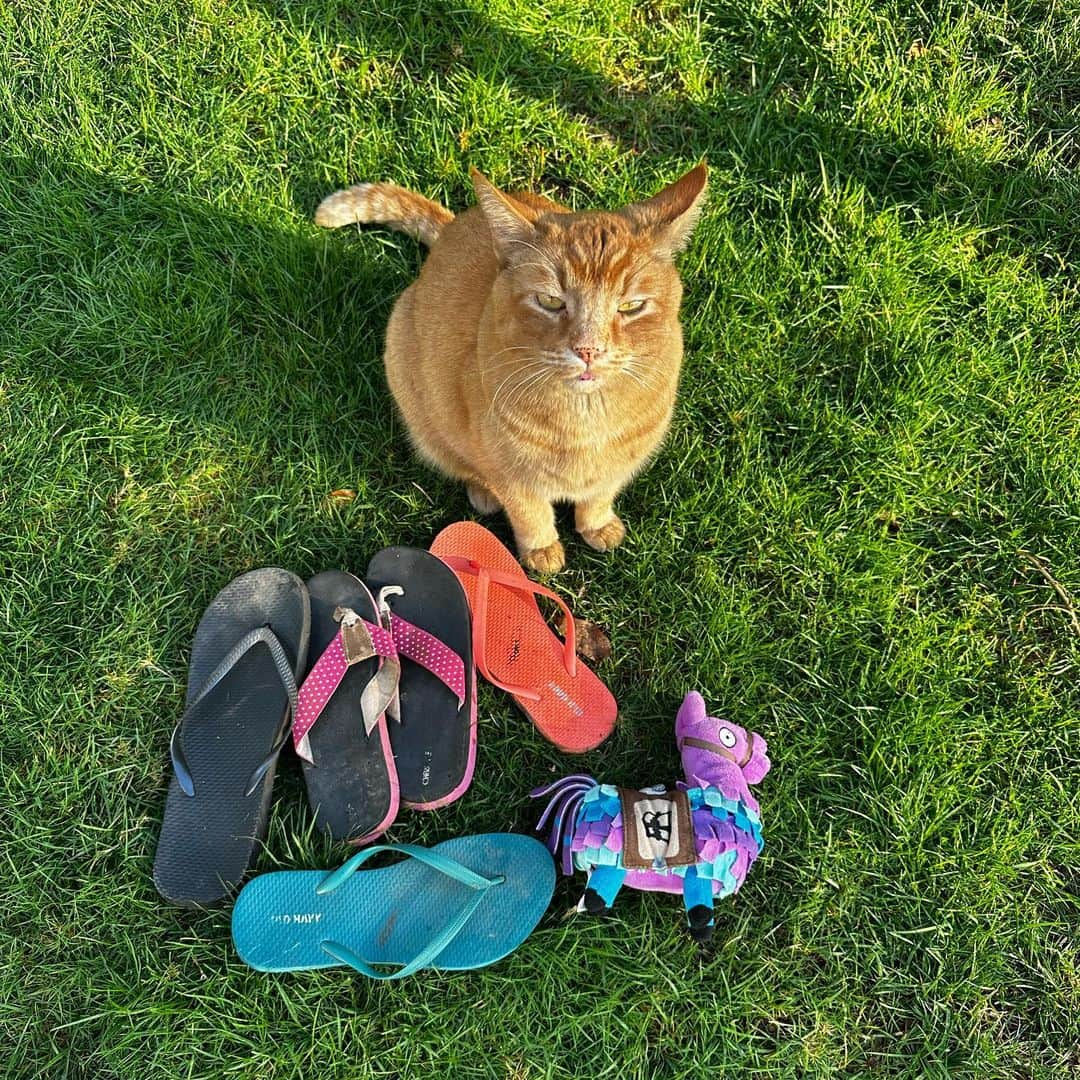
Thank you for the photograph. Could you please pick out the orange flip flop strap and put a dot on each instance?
(485, 575)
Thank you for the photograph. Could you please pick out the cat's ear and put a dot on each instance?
(510, 222)
(670, 215)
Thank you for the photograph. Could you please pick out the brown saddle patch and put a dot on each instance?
(658, 831)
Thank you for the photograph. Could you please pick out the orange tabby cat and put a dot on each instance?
(537, 355)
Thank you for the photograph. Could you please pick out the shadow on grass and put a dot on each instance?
(750, 121)
(315, 309)
(158, 300)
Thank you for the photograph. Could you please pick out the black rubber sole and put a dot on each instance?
(351, 786)
(209, 840)
(435, 742)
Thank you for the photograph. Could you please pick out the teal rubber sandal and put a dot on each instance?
(462, 904)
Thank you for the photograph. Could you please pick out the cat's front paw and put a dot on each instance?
(545, 560)
(608, 536)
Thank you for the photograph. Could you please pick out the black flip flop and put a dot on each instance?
(340, 731)
(434, 741)
(249, 649)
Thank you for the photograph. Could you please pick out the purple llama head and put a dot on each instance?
(719, 753)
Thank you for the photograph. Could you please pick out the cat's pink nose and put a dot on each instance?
(588, 353)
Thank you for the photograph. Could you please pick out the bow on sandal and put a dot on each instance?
(340, 731)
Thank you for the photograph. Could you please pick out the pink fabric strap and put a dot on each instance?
(356, 640)
(417, 645)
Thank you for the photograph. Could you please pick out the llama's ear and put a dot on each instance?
(670, 215)
(510, 221)
(691, 710)
(759, 764)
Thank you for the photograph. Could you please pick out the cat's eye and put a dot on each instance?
(628, 307)
(549, 302)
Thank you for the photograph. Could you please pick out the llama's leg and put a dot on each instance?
(698, 897)
(602, 888)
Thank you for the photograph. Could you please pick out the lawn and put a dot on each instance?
(862, 538)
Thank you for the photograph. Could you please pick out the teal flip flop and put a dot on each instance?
(462, 904)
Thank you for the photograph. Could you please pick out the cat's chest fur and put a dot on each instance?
(573, 448)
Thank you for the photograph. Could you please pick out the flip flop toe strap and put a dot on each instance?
(356, 640)
(417, 645)
(479, 884)
(261, 635)
(485, 576)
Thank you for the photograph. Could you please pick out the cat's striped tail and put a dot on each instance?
(385, 204)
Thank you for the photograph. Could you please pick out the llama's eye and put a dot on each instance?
(628, 307)
(550, 302)
(727, 737)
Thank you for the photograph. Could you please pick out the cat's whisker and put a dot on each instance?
(510, 348)
(523, 393)
(640, 381)
(640, 365)
(644, 261)
(523, 365)
(639, 375)
(544, 355)
(543, 255)
(528, 381)
(498, 391)
(507, 379)
(519, 360)
(539, 266)
(536, 368)
(533, 377)
(530, 348)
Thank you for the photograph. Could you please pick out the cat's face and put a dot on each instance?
(585, 301)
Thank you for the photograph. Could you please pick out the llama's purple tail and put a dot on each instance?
(565, 800)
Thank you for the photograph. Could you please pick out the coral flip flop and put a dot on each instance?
(433, 721)
(514, 648)
(249, 649)
(340, 731)
(462, 904)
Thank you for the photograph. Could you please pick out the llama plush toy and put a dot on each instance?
(698, 839)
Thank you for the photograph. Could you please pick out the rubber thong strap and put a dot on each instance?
(485, 576)
(479, 884)
(261, 635)
(356, 640)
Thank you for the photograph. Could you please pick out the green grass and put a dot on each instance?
(880, 411)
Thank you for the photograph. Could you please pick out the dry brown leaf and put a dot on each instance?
(341, 496)
(590, 640)
(890, 521)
